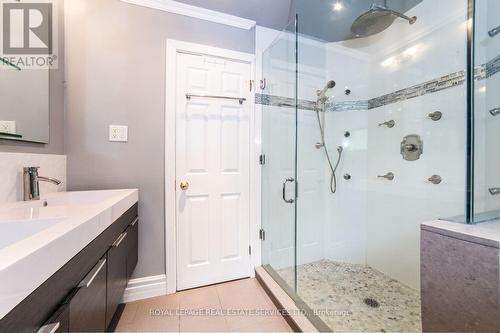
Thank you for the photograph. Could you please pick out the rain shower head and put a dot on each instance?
(377, 19)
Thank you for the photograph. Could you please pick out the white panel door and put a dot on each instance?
(213, 154)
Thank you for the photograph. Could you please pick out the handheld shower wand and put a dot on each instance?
(322, 93)
(320, 107)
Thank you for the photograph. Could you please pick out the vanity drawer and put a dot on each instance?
(58, 323)
(117, 274)
(87, 307)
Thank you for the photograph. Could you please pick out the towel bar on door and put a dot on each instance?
(239, 99)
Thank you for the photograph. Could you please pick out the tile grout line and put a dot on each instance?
(220, 305)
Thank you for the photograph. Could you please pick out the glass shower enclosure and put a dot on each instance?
(370, 128)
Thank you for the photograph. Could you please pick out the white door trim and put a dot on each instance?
(173, 47)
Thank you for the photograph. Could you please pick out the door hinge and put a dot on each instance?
(262, 159)
(262, 234)
(251, 85)
(263, 84)
(250, 250)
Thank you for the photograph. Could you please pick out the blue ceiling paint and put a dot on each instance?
(316, 17)
(321, 21)
(273, 14)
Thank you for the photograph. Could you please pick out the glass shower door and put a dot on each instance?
(486, 104)
(279, 116)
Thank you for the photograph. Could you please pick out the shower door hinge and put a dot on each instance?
(262, 234)
(251, 85)
(250, 249)
(263, 84)
(262, 159)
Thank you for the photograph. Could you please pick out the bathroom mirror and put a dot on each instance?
(24, 105)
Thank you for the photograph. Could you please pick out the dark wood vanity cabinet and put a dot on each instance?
(117, 274)
(59, 322)
(87, 306)
(122, 259)
(84, 294)
(132, 247)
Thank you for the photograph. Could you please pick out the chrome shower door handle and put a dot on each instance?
(290, 201)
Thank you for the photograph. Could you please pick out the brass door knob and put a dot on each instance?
(184, 186)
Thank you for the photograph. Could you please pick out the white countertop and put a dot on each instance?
(37, 241)
(487, 233)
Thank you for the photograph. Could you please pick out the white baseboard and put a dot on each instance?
(147, 287)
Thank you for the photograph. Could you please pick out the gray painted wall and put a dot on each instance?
(56, 107)
(115, 69)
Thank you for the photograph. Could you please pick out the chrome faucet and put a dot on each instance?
(494, 191)
(31, 180)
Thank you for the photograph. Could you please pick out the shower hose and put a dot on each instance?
(333, 169)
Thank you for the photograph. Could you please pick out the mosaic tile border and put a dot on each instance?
(445, 82)
(429, 87)
(347, 106)
(272, 100)
(487, 70)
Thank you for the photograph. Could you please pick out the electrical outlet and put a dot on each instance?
(118, 133)
(7, 127)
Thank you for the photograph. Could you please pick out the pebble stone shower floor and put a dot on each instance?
(342, 289)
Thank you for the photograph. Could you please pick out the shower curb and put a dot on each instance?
(295, 317)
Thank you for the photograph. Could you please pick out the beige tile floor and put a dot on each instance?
(203, 310)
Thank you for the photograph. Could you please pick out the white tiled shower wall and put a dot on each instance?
(379, 219)
(370, 220)
(11, 173)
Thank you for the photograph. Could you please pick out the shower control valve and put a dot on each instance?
(436, 116)
(494, 190)
(436, 179)
(389, 124)
(388, 176)
(412, 147)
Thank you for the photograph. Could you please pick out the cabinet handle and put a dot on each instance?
(50, 328)
(87, 282)
(120, 240)
(135, 222)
